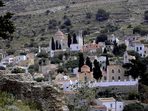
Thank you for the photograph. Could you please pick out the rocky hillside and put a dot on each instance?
(34, 17)
(45, 96)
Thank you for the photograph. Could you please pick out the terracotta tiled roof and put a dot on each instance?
(85, 68)
(59, 35)
(98, 107)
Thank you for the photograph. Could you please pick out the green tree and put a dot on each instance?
(105, 51)
(75, 39)
(69, 40)
(134, 107)
(6, 25)
(96, 70)
(102, 15)
(82, 98)
(146, 15)
(81, 61)
(89, 63)
(53, 47)
(57, 44)
(18, 70)
(136, 68)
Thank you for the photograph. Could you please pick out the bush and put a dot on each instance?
(52, 24)
(39, 79)
(133, 96)
(146, 15)
(101, 38)
(2, 68)
(42, 55)
(9, 103)
(18, 70)
(33, 68)
(111, 28)
(102, 15)
(88, 15)
(10, 51)
(55, 61)
(72, 64)
(142, 30)
(134, 107)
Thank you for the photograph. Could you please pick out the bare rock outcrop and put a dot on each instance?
(46, 96)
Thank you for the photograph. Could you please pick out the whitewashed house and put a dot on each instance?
(8, 60)
(110, 103)
(79, 45)
(20, 58)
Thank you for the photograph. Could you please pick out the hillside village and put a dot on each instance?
(59, 65)
(76, 69)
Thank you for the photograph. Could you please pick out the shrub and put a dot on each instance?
(18, 70)
(102, 15)
(146, 15)
(52, 24)
(42, 55)
(39, 79)
(55, 61)
(101, 38)
(134, 107)
(88, 15)
(33, 68)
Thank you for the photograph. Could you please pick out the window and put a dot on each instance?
(113, 78)
(137, 49)
(112, 71)
(85, 78)
(111, 105)
(105, 78)
(119, 77)
(119, 71)
(140, 48)
(120, 106)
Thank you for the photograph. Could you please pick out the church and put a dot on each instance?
(60, 41)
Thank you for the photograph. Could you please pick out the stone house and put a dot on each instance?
(114, 72)
(85, 74)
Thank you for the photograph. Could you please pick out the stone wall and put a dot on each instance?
(48, 97)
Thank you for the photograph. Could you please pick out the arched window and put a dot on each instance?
(119, 77)
(113, 71)
(113, 78)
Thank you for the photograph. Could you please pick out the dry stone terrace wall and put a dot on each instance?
(47, 97)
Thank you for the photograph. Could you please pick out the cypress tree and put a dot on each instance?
(53, 44)
(116, 48)
(89, 63)
(97, 71)
(81, 61)
(60, 47)
(105, 51)
(75, 39)
(57, 45)
(69, 40)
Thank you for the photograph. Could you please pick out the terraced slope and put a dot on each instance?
(32, 16)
